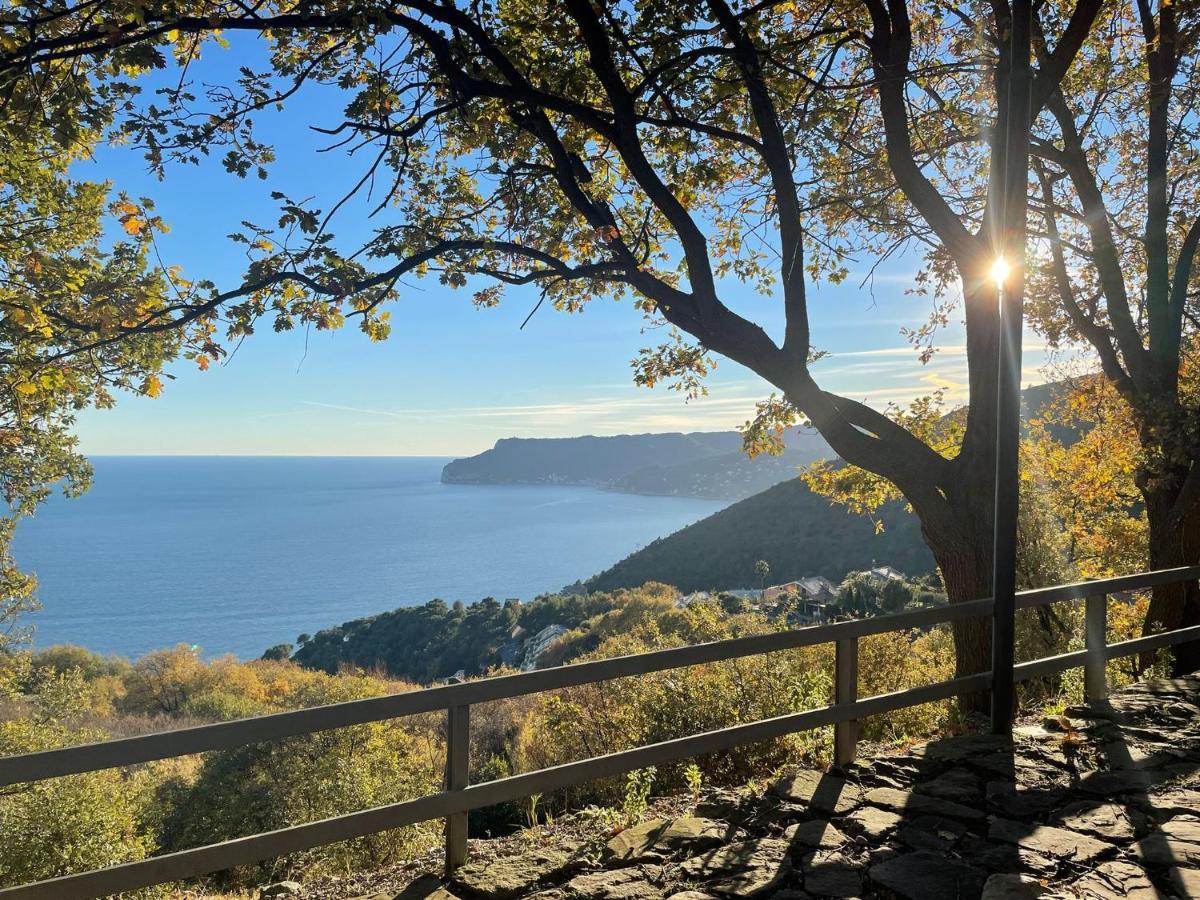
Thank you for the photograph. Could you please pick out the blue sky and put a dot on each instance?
(451, 379)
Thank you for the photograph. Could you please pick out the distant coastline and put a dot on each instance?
(709, 465)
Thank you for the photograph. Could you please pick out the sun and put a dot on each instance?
(1000, 270)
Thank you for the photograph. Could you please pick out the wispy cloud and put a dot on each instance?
(879, 376)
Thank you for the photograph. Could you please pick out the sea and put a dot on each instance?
(237, 554)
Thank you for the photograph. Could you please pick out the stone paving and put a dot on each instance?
(1100, 804)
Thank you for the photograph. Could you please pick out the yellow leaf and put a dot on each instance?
(132, 224)
(152, 387)
(26, 388)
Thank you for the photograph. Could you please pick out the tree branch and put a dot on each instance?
(777, 157)
(890, 43)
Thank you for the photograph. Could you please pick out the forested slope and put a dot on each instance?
(797, 532)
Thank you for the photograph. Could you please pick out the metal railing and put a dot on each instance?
(459, 796)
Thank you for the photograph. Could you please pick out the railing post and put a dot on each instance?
(458, 747)
(1095, 633)
(845, 690)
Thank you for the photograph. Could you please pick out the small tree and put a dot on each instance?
(895, 595)
(858, 593)
(59, 826)
(762, 569)
(733, 604)
(278, 653)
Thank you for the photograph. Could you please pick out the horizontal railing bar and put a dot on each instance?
(1082, 589)
(1049, 665)
(1152, 642)
(225, 735)
(242, 851)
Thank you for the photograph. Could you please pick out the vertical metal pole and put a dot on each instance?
(1010, 220)
(845, 689)
(458, 746)
(1095, 632)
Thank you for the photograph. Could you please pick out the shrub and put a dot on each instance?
(594, 719)
(273, 785)
(59, 826)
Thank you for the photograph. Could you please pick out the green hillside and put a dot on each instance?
(797, 532)
(426, 643)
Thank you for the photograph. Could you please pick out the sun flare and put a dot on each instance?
(1000, 270)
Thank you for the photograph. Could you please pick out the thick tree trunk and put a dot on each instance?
(963, 551)
(968, 577)
(1174, 541)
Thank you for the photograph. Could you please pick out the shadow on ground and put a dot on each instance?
(1103, 804)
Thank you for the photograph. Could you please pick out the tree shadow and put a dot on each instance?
(1096, 805)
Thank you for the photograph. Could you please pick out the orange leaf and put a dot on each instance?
(132, 224)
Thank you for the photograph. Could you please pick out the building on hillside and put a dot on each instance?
(814, 599)
(817, 587)
(775, 591)
(886, 573)
(693, 597)
(809, 612)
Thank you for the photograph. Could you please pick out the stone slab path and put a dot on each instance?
(1102, 804)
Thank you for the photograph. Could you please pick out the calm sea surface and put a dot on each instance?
(239, 553)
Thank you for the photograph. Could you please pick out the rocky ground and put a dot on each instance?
(1102, 803)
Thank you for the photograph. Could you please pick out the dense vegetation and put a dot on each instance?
(700, 464)
(68, 695)
(425, 643)
(796, 531)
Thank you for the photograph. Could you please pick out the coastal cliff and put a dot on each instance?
(699, 464)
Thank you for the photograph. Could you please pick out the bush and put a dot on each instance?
(278, 653)
(600, 718)
(64, 825)
(595, 719)
(91, 665)
(273, 785)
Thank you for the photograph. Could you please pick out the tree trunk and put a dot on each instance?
(963, 551)
(1174, 541)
